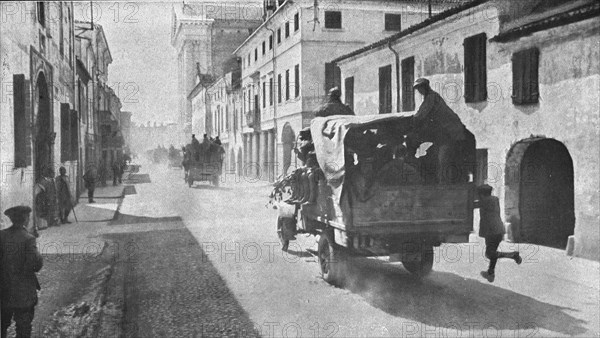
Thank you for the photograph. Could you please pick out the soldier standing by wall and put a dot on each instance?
(20, 260)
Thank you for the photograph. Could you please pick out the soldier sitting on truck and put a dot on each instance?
(436, 122)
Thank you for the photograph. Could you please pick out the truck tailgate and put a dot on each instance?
(416, 208)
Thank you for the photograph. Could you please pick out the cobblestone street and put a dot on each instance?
(207, 262)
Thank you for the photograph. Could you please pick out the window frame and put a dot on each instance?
(297, 80)
(328, 17)
(475, 68)
(526, 86)
(387, 24)
(296, 21)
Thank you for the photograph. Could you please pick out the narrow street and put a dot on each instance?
(206, 261)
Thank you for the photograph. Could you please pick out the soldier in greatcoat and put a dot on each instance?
(19, 262)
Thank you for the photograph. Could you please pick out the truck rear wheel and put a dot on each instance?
(422, 263)
(333, 260)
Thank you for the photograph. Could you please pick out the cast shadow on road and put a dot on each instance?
(137, 179)
(209, 187)
(125, 219)
(172, 289)
(446, 300)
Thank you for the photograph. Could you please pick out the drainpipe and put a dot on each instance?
(272, 97)
(397, 76)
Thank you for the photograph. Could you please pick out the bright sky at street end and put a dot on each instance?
(144, 68)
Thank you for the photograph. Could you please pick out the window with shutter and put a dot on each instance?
(333, 76)
(333, 19)
(278, 35)
(264, 94)
(525, 77)
(287, 29)
(74, 136)
(65, 131)
(271, 42)
(296, 21)
(349, 92)
(297, 81)
(279, 88)
(385, 89)
(408, 78)
(271, 89)
(392, 22)
(41, 13)
(264, 47)
(287, 84)
(475, 68)
(22, 122)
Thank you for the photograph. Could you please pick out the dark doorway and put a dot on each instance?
(43, 139)
(546, 202)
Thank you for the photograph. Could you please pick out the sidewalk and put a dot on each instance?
(75, 238)
(77, 275)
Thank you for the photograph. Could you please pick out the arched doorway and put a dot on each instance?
(44, 137)
(545, 192)
(287, 139)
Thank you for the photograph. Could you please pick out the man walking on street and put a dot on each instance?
(492, 229)
(90, 177)
(65, 203)
(20, 260)
(116, 168)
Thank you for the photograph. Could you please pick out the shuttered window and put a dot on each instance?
(271, 89)
(278, 35)
(296, 21)
(287, 29)
(392, 22)
(74, 136)
(264, 47)
(41, 13)
(525, 65)
(349, 92)
(264, 94)
(408, 78)
(333, 76)
(385, 89)
(271, 42)
(65, 132)
(297, 81)
(333, 19)
(22, 122)
(475, 68)
(279, 88)
(287, 84)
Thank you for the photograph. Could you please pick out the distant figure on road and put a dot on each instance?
(46, 198)
(20, 260)
(195, 141)
(334, 105)
(90, 178)
(492, 229)
(218, 141)
(102, 171)
(64, 195)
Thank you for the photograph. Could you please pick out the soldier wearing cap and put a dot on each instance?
(19, 261)
(492, 229)
(334, 105)
(436, 122)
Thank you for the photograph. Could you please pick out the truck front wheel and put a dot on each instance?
(421, 263)
(333, 260)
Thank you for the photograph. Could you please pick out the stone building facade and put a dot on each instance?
(204, 35)
(285, 73)
(524, 77)
(39, 126)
